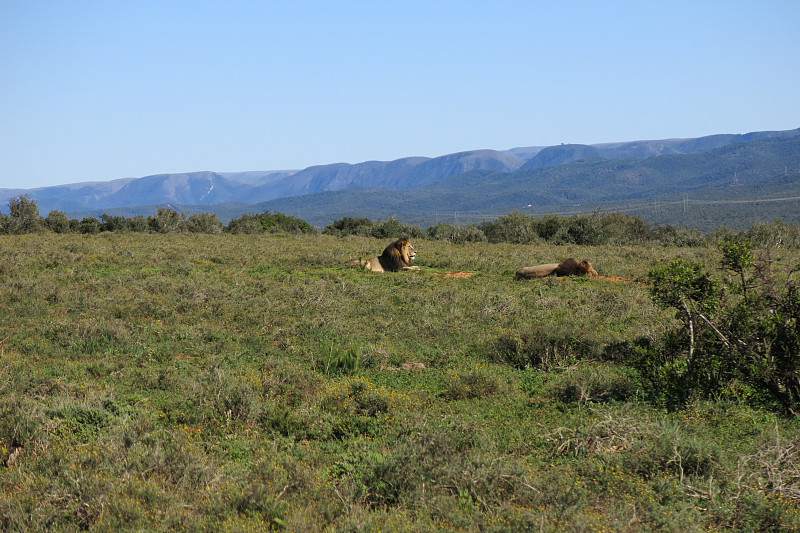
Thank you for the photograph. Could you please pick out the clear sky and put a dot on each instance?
(106, 89)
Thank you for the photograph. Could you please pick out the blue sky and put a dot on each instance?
(100, 90)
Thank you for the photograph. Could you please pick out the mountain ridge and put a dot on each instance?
(551, 176)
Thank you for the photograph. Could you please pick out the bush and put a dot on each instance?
(89, 225)
(204, 223)
(545, 348)
(165, 221)
(747, 333)
(57, 222)
(349, 226)
(514, 228)
(113, 223)
(24, 217)
(270, 223)
(456, 234)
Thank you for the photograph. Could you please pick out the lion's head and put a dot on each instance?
(406, 250)
(573, 267)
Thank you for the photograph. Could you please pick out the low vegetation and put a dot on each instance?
(251, 381)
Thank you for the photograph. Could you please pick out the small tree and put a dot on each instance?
(245, 224)
(138, 224)
(349, 226)
(747, 334)
(24, 217)
(166, 221)
(113, 223)
(204, 223)
(456, 234)
(90, 225)
(57, 222)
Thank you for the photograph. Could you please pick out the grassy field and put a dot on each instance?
(247, 383)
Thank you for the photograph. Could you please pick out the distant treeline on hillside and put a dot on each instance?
(516, 228)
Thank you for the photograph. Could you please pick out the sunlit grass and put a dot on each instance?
(240, 383)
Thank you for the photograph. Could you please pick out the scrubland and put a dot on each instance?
(168, 382)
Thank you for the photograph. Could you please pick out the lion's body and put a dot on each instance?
(397, 256)
(568, 267)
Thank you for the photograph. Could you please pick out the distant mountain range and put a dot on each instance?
(472, 186)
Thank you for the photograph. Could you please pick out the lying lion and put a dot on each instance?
(397, 256)
(567, 267)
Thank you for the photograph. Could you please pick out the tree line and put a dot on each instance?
(515, 228)
(24, 217)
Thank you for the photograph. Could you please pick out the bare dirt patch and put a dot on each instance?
(463, 275)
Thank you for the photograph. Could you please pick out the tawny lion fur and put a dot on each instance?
(397, 256)
(567, 267)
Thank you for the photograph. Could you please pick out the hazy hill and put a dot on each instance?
(462, 186)
(211, 188)
(561, 155)
(737, 173)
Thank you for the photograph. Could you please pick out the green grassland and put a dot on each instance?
(168, 382)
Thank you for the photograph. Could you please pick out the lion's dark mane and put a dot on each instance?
(391, 259)
(573, 267)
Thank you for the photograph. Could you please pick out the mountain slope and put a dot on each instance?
(482, 183)
(209, 188)
(737, 171)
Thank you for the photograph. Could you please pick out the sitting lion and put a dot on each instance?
(567, 267)
(397, 256)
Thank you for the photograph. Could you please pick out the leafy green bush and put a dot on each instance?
(743, 331)
(456, 234)
(543, 348)
(477, 382)
(349, 226)
(57, 222)
(166, 221)
(382, 229)
(24, 215)
(593, 383)
(267, 222)
(204, 223)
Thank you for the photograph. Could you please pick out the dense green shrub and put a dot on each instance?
(349, 226)
(57, 222)
(382, 229)
(514, 228)
(456, 234)
(741, 335)
(24, 216)
(204, 223)
(89, 225)
(114, 223)
(270, 223)
(544, 348)
(166, 221)
(589, 229)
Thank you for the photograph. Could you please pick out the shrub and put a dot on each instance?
(748, 333)
(113, 223)
(204, 223)
(165, 221)
(349, 226)
(514, 228)
(543, 348)
(472, 383)
(89, 225)
(456, 234)
(593, 383)
(775, 234)
(57, 222)
(24, 216)
(245, 224)
(393, 229)
(270, 223)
